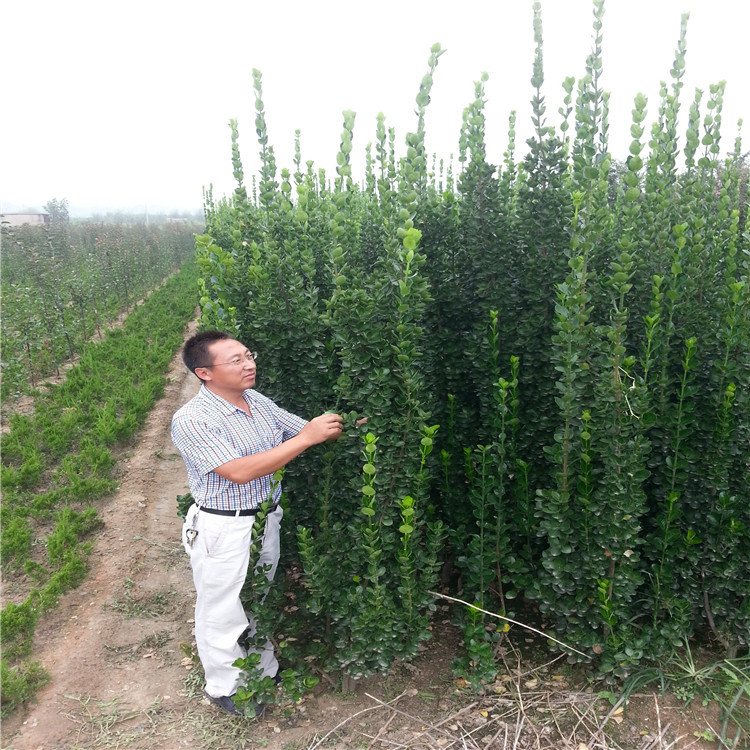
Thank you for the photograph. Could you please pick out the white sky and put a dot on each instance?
(115, 105)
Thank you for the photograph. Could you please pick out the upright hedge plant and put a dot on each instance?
(576, 325)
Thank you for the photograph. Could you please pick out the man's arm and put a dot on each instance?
(318, 430)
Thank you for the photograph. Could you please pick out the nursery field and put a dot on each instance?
(545, 515)
(64, 284)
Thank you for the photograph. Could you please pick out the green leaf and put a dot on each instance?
(632, 194)
(411, 238)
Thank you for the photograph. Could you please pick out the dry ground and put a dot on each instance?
(120, 680)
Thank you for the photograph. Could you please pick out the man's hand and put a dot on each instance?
(325, 427)
(318, 430)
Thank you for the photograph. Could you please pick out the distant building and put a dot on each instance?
(18, 220)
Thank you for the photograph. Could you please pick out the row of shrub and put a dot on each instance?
(576, 326)
(58, 465)
(65, 283)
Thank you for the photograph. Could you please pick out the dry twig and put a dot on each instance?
(409, 716)
(348, 719)
(508, 619)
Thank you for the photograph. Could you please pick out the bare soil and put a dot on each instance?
(120, 679)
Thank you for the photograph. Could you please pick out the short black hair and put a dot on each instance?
(195, 350)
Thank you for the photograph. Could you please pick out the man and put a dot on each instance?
(232, 440)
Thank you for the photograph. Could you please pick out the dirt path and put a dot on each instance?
(120, 679)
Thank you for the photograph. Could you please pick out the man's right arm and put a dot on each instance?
(245, 469)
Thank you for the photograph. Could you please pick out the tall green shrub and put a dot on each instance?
(603, 473)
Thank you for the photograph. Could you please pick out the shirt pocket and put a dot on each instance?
(278, 436)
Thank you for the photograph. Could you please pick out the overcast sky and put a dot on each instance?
(119, 105)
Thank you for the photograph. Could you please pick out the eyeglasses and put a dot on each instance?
(237, 361)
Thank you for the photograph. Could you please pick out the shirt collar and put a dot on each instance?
(222, 404)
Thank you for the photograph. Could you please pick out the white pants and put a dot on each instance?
(219, 557)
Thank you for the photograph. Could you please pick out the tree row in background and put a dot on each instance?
(553, 354)
(64, 283)
(60, 461)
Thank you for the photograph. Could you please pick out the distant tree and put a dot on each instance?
(58, 211)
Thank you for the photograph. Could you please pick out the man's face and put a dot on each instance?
(232, 366)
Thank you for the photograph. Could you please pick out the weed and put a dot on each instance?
(195, 682)
(725, 682)
(106, 724)
(156, 640)
(131, 652)
(150, 605)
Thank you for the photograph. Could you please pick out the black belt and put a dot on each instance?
(243, 512)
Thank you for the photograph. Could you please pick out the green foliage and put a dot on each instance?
(477, 665)
(16, 539)
(18, 622)
(183, 504)
(70, 528)
(604, 475)
(378, 602)
(64, 284)
(263, 598)
(20, 683)
(724, 683)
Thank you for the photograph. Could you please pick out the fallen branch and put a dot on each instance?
(508, 619)
(381, 731)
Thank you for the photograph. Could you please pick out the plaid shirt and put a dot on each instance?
(209, 431)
